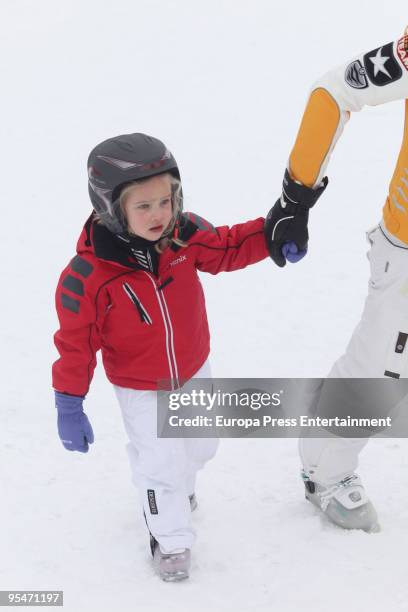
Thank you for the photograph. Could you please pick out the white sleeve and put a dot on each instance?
(371, 78)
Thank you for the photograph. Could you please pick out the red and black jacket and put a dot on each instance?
(144, 311)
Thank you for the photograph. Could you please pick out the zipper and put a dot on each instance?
(171, 355)
(144, 315)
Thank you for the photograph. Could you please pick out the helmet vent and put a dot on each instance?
(120, 163)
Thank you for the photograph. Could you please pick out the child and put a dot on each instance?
(133, 291)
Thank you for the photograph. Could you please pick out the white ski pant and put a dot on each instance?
(371, 353)
(163, 469)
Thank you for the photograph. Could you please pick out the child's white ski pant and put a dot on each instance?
(163, 469)
(371, 353)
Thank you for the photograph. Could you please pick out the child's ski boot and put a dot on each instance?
(171, 567)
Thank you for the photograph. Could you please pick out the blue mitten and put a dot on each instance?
(74, 429)
(291, 252)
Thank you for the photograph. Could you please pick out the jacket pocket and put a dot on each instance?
(144, 315)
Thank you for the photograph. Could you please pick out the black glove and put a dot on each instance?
(286, 222)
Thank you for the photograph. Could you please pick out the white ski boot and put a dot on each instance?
(171, 567)
(345, 503)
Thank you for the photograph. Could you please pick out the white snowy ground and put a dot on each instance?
(224, 84)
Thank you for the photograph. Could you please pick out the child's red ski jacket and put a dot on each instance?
(144, 311)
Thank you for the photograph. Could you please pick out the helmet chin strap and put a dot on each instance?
(135, 241)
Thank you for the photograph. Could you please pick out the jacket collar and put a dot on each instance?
(132, 252)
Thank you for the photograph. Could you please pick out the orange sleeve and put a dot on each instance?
(315, 137)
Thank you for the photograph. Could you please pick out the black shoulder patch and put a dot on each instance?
(382, 66)
(190, 223)
(73, 284)
(70, 303)
(81, 266)
(201, 223)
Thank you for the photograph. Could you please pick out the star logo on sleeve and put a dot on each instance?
(381, 66)
(379, 62)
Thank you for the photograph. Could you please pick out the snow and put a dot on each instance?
(223, 83)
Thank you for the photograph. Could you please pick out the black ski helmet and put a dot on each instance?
(117, 161)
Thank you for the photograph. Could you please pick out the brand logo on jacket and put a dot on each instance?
(402, 50)
(178, 260)
(382, 66)
(356, 75)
